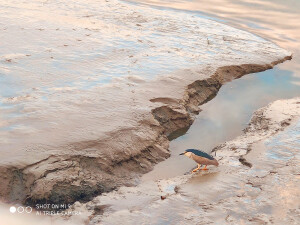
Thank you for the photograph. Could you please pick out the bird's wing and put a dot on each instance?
(200, 153)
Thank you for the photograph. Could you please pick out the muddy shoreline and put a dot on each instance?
(171, 117)
(263, 190)
(67, 143)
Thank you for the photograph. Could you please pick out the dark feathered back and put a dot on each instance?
(200, 153)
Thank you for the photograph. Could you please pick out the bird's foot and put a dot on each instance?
(198, 168)
(195, 170)
(204, 168)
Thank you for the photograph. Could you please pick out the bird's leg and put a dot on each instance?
(198, 168)
(205, 168)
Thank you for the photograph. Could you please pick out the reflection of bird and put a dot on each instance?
(200, 157)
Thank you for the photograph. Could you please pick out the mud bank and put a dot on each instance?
(64, 141)
(106, 175)
(256, 183)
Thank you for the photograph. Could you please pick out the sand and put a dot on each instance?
(83, 113)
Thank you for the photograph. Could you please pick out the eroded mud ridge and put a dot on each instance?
(89, 176)
(70, 137)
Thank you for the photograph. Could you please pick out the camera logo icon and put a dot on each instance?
(12, 209)
(20, 209)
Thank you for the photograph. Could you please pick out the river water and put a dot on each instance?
(228, 114)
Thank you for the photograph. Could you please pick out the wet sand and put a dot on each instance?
(97, 113)
(89, 135)
(275, 20)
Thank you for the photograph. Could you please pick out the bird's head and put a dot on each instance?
(188, 154)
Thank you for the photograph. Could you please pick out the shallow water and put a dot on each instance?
(224, 117)
(228, 114)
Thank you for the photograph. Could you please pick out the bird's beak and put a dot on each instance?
(182, 153)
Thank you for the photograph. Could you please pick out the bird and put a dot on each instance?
(201, 158)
